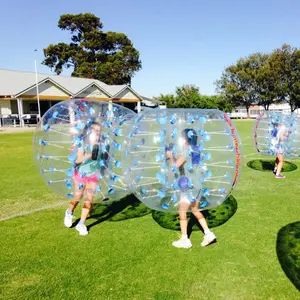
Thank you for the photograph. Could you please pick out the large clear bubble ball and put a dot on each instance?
(182, 158)
(77, 149)
(277, 133)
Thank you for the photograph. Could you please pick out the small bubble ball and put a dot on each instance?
(277, 133)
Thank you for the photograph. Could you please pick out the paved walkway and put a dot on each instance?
(16, 129)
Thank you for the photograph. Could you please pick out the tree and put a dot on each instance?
(263, 79)
(188, 96)
(168, 100)
(267, 82)
(219, 102)
(239, 84)
(286, 63)
(92, 53)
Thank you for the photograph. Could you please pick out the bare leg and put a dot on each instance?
(183, 207)
(88, 201)
(74, 202)
(280, 164)
(209, 236)
(184, 241)
(199, 216)
(87, 207)
(77, 197)
(276, 163)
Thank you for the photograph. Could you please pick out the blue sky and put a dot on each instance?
(180, 42)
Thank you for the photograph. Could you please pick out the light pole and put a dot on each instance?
(37, 89)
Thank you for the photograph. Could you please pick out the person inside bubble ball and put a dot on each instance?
(86, 175)
(189, 140)
(279, 133)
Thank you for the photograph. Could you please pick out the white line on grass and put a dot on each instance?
(25, 213)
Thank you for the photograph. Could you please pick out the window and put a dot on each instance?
(33, 107)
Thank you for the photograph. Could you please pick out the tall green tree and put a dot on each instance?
(267, 82)
(238, 83)
(93, 53)
(286, 63)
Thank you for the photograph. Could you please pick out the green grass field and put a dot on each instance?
(128, 253)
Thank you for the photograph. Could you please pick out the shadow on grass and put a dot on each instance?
(268, 165)
(125, 208)
(216, 216)
(288, 252)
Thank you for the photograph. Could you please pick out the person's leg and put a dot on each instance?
(276, 165)
(68, 220)
(199, 216)
(280, 165)
(184, 241)
(74, 202)
(183, 207)
(87, 207)
(78, 193)
(209, 236)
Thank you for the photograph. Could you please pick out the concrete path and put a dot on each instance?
(16, 129)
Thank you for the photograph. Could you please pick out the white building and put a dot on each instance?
(19, 94)
(255, 110)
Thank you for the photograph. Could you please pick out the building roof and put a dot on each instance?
(151, 100)
(14, 83)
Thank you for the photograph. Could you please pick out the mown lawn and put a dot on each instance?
(257, 255)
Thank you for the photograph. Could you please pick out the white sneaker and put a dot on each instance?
(68, 220)
(182, 243)
(208, 239)
(81, 228)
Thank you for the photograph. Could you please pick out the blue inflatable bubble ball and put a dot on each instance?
(277, 132)
(77, 149)
(182, 157)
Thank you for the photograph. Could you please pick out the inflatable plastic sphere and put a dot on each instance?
(179, 157)
(77, 149)
(275, 132)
